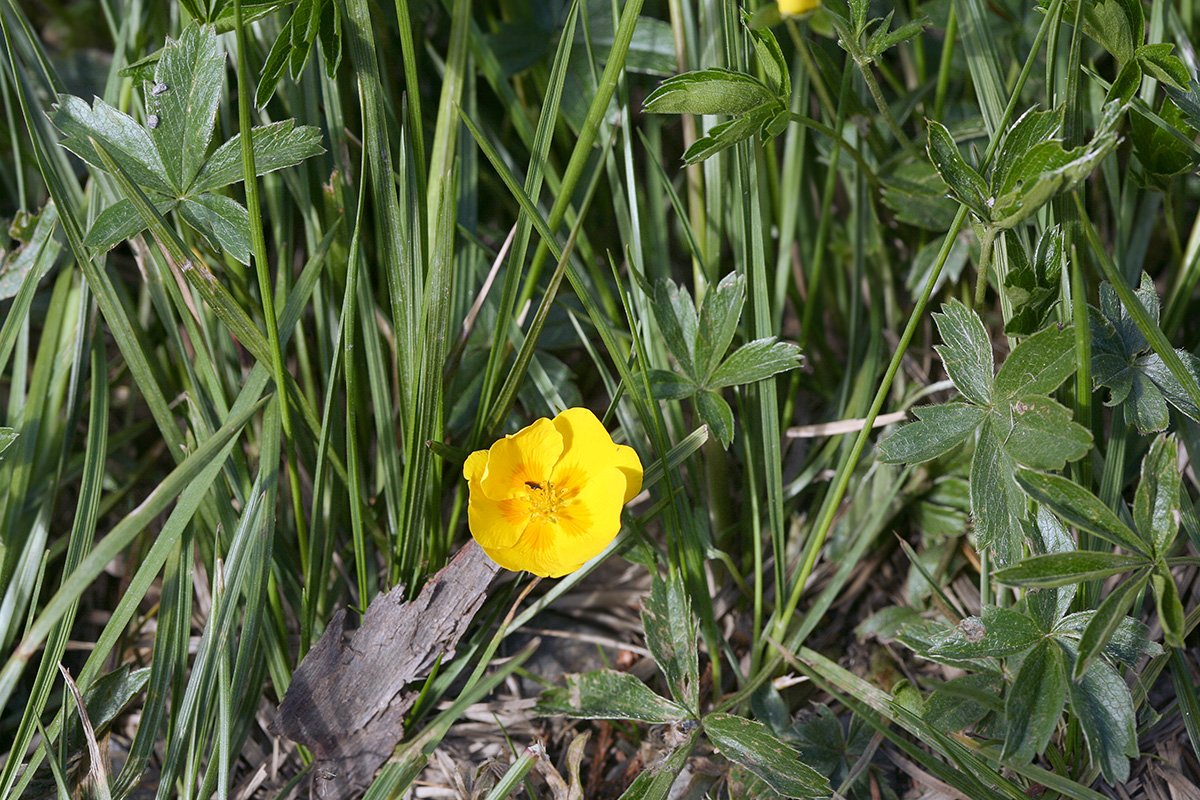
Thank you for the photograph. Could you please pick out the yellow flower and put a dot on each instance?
(792, 8)
(549, 497)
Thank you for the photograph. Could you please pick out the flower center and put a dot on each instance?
(546, 499)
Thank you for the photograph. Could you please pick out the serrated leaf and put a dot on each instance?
(1118, 25)
(1034, 703)
(1153, 367)
(727, 134)
(1032, 128)
(676, 315)
(755, 361)
(1101, 702)
(224, 222)
(1162, 154)
(276, 63)
(1188, 101)
(671, 634)
(119, 222)
(996, 503)
(275, 146)
(123, 138)
(1145, 406)
(1078, 507)
(1000, 632)
(717, 414)
(1105, 621)
(1128, 81)
(719, 316)
(966, 184)
(7, 437)
(963, 701)
(938, 429)
(1033, 286)
(770, 58)
(750, 744)
(1157, 62)
(192, 69)
(1038, 432)
(1156, 502)
(1127, 644)
(883, 39)
(1062, 569)
(966, 351)
(709, 91)
(608, 694)
(1038, 365)
(666, 385)
(654, 782)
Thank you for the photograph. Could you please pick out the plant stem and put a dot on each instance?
(985, 261)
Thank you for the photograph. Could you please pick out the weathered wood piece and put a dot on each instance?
(346, 701)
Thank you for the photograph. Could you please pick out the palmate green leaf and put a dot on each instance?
(671, 634)
(676, 315)
(719, 316)
(1000, 632)
(1038, 432)
(1156, 509)
(709, 91)
(192, 70)
(1078, 507)
(1127, 644)
(1105, 621)
(608, 694)
(996, 502)
(1046, 169)
(1127, 82)
(755, 361)
(966, 184)
(938, 430)
(750, 744)
(1038, 365)
(123, 138)
(121, 221)
(966, 351)
(1046, 535)
(223, 221)
(1101, 703)
(717, 415)
(1034, 703)
(1146, 407)
(1064, 569)
(275, 146)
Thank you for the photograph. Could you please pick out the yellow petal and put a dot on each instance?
(526, 456)
(537, 551)
(475, 465)
(592, 520)
(496, 524)
(631, 467)
(796, 7)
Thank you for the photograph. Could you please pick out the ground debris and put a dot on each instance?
(346, 701)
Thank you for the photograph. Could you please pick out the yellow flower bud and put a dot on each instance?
(548, 498)
(792, 8)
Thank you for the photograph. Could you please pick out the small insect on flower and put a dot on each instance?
(794, 8)
(152, 121)
(159, 90)
(548, 498)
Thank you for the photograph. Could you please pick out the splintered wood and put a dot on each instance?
(346, 701)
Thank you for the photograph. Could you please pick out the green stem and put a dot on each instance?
(985, 261)
(265, 289)
(944, 65)
(886, 112)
